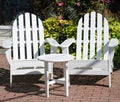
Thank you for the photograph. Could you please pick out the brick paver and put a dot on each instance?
(82, 89)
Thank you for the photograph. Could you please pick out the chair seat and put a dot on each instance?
(24, 67)
(27, 71)
(88, 71)
(27, 63)
(88, 67)
(103, 64)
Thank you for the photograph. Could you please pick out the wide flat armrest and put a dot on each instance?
(7, 43)
(8, 56)
(67, 42)
(52, 42)
(113, 42)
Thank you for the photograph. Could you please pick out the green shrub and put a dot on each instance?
(59, 29)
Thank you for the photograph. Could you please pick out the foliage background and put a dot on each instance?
(60, 17)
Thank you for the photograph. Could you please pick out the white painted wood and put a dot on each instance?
(7, 43)
(92, 35)
(67, 42)
(90, 64)
(65, 45)
(85, 37)
(99, 36)
(41, 37)
(54, 44)
(113, 42)
(15, 40)
(34, 36)
(26, 42)
(60, 80)
(94, 54)
(48, 58)
(28, 36)
(66, 81)
(79, 40)
(106, 39)
(55, 57)
(87, 72)
(5, 27)
(8, 55)
(21, 37)
(46, 79)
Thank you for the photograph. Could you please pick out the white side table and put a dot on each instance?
(56, 58)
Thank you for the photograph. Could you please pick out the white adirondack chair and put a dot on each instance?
(26, 45)
(94, 50)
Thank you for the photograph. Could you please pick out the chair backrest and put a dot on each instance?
(92, 37)
(27, 36)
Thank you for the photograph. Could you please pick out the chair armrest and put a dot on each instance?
(8, 56)
(65, 45)
(67, 42)
(52, 42)
(113, 42)
(7, 43)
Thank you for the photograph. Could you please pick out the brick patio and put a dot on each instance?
(82, 89)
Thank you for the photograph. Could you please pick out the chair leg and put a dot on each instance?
(69, 80)
(110, 80)
(10, 80)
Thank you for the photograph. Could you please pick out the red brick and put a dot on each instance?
(82, 88)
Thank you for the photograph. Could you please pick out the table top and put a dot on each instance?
(56, 57)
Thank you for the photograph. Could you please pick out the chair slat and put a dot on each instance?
(99, 36)
(28, 36)
(85, 38)
(106, 39)
(79, 40)
(92, 35)
(41, 37)
(21, 36)
(15, 40)
(34, 35)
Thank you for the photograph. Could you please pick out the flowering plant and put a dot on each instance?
(60, 4)
(107, 1)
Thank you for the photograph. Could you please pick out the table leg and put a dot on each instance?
(66, 81)
(50, 69)
(46, 79)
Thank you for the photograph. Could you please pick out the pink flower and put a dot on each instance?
(105, 1)
(60, 4)
(108, 1)
(60, 17)
(102, 1)
(77, 3)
